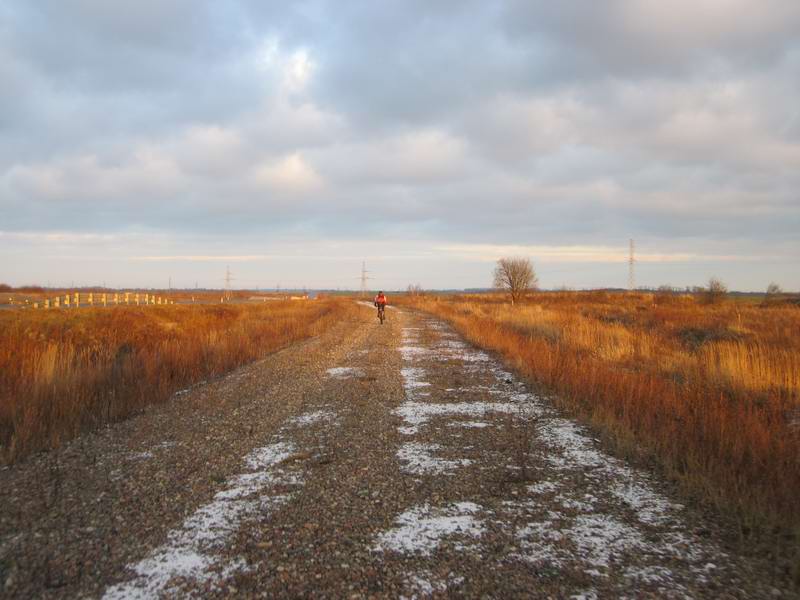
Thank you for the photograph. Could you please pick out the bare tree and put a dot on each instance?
(716, 291)
(414, 290)
(515, 275)
(773, 289)
(773, 294)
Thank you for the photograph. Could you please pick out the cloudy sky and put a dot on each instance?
(171, 138)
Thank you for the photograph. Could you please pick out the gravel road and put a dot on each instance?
(373, 461)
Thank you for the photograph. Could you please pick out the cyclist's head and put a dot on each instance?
(380, 293)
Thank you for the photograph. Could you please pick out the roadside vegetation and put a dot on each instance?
(708, 391)
(64, 372)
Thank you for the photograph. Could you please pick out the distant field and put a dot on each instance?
(24, 298)
(709, 392)
(66, 371)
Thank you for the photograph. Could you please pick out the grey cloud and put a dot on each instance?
(628, 38)
(514, 122)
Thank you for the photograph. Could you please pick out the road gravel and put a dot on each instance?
(376, 461)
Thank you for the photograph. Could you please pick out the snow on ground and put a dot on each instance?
(623, 520)
(412, 378)
(313, 418)
(409, 335)
(595, 538)
(145, 455)
(469, 424)
(425, 583)
(421, 529)
(189, 551)
(345, 372)
(419, 413)
(411, 352)
(419, 459)
(148, 454)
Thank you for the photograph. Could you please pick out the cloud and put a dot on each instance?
(586, 254)
(291, 175)
(526, 124)
(420, 156)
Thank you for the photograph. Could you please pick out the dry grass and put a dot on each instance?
(710, 392)
(68, 371)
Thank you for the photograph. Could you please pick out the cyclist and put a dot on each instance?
(380, 303)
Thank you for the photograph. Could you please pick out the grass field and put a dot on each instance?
(710, 393)
(63, 372)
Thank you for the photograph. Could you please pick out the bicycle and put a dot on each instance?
(382, 313)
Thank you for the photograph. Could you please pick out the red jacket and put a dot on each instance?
(380, 299)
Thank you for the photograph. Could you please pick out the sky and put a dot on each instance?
(154, 141)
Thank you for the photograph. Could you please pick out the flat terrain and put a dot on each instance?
(373, 461)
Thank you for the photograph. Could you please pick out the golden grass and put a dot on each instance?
(68, 371)
(711, 393)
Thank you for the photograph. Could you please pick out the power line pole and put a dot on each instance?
(364, 278)
(228, 279)
(631, 262)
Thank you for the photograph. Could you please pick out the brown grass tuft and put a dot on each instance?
(65, 372)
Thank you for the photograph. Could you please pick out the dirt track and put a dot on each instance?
(375, 461)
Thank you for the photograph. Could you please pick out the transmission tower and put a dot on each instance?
(631, 262)
(364, 278)
(228, 279)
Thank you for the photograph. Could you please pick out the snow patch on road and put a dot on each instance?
(412, 378)
(424, 584)
(419, 413)
(650, 508)
(409, 335)
(594, 539)
(452, 344)
(543, 487)
(577, 452)
(418, 459)
(188, 552)
(314, 417)
(145, 455)
(409, 353)
(469, 424)
(421, 530)
(148, 454)
(470, 356)
(345, 372)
